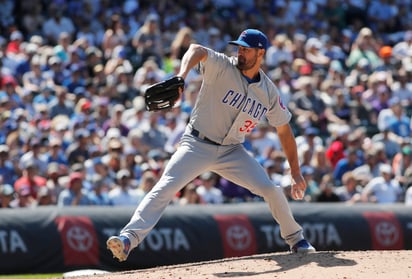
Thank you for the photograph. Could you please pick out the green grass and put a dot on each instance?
(32, 276)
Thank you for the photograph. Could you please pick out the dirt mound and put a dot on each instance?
(348, 264)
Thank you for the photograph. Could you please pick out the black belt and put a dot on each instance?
(199, 135)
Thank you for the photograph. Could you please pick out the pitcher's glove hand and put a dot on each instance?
(164, 94)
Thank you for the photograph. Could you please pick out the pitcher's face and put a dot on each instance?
(247, 58)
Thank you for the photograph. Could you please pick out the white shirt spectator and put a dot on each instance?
(264, 140)
(212, 195)
(383, 189)
(403, 49)
(408, 197)
(207, 190)
(384, 192)
(120, 197)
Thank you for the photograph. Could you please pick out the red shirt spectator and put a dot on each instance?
(30, 179)
(335, 152)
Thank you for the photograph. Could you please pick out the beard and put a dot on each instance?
(244, 65)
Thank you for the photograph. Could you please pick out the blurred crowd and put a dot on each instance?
(74, 129)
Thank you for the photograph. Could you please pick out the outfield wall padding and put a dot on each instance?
(53, 239)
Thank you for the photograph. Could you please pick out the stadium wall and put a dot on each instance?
(53, 239)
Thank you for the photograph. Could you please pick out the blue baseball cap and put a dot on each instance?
(252, 38)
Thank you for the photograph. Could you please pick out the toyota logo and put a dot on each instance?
(238, 237)
(79, 239)
(386, 233)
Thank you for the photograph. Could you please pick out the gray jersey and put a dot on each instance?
(227, 115)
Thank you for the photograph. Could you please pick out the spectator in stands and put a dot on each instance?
(264, 140)
(30, 177)
(387, 139)
(350, 191)
(77, 151)
(115, 121)
(339, 112)
(113, 36)
(62, 48)
(97, 167)
(207, 189)
(362, 113)
(403, 48)
(74, 194)
(395, 119)
(125, 88)
(29, 50)
(9, 85)
(148, 40)
(13, 48)
(45, 96)
(181, 43)
(381, 102)
(402, 88)
(74, 78)
(148, 74)
(154, 136)
(44, 197)
(370, 168)
(381, 16)
(314, 54)
(364, 46)
(32, 18)
(388, 63)
(215, 39)
(307, 105)
(327, 190)
(35, 78)
(114, 162)
(57, 24)
(8, 174)
(122, 194)
(408, 196)
(61, 105)
(99, 192)
(55, 172)
(23, 198)
(384, 188)
(176, 124)
(313, 189)
(320, 163)
(279, 50)
(6, 195)
(350, 162)
(56, 73)
(233, 193)
(335, 152)
(189, 196)
(309, 138)
(147, 181)
(401, 162)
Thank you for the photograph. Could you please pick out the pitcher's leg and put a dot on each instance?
(183, 167)
(239, 167)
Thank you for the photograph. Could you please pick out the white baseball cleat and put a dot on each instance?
(119, 246)
(303, 246)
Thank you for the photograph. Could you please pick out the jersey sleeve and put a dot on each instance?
(278, 113)
(215, 64)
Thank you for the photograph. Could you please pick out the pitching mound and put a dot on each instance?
(348, 265)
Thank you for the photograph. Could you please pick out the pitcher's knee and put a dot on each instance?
(269, 191)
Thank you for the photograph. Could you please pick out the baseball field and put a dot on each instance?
(345, 265)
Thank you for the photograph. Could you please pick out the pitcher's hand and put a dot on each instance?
(298, 187)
